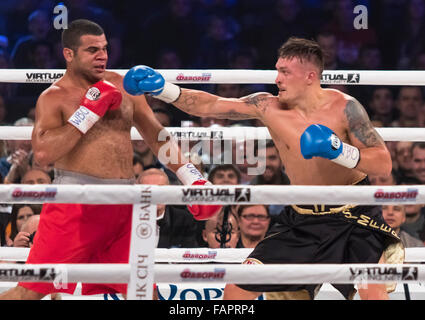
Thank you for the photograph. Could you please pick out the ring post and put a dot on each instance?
(142, 250)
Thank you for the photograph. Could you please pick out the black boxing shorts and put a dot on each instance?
(325, 234)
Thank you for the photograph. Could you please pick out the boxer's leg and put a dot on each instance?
(233, 292)
(21, 293)
(374, 291)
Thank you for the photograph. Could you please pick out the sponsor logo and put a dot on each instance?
(384, 273)
(219, 194)
(204, 77)
(217, 273)
(199, 256)
(340, 78)
(48, 193)
(93, 94)
(43, 77)
(198, 135)
(381, 196)
(409, 273)
(335, 142)
(14, 274)
(353, 78)
(79, 116)
(144, 231)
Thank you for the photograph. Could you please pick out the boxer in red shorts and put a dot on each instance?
(87, 234)
(82, 126)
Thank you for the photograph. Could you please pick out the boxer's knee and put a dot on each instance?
(288, 295)
(373, 292)
(233, 292)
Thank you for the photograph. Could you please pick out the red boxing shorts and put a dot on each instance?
(81, 233)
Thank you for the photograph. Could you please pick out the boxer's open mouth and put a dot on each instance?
(100, 68)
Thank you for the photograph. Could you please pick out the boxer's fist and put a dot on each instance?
(189, 175)
(203, 212)
(99, 98)
(320, 141)
(142, 79)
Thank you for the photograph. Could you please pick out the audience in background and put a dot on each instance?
(254, 222)
(395, 216)
(237, 35)
(176, 225)
(215, 236)
(20, 214)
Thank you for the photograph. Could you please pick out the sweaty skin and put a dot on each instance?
(301, 102)
(340, 112)
(105, 150)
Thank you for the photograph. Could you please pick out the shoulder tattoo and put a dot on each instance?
(360, 125)
(259, 100)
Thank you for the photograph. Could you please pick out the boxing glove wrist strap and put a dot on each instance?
(83, 119)
(170, 93)
(188, 174)
(349, 157)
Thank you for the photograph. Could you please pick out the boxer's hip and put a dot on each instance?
(71, 177)
(324, 209)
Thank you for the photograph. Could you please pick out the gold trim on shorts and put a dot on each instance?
(252, 261)
(322, 211)
(393, 254)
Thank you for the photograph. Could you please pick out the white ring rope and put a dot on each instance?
(216, 194)
(224, 133)
(293, 273)
(196, 255)
(243, 76)
(248, 274)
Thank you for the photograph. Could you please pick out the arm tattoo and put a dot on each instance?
(360, 125)
(259, 100)
(187, 102)
(233, 115)
(191, 104)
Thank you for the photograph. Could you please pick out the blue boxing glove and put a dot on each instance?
(145, 80)
(320, 141)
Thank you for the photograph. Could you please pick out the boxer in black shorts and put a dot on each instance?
(324, 137)
(324, 234)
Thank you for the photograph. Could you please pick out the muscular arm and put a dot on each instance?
(374, 155)
(154, 134)
(51, 139)
(203, 104)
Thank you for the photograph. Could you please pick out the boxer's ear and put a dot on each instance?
(68, 54)
(311, 77)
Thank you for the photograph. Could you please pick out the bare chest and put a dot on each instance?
(117, 120)
(286, 128)
(105, 150)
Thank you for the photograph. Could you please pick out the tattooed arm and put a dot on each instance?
(374, 155)
(203, 104)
